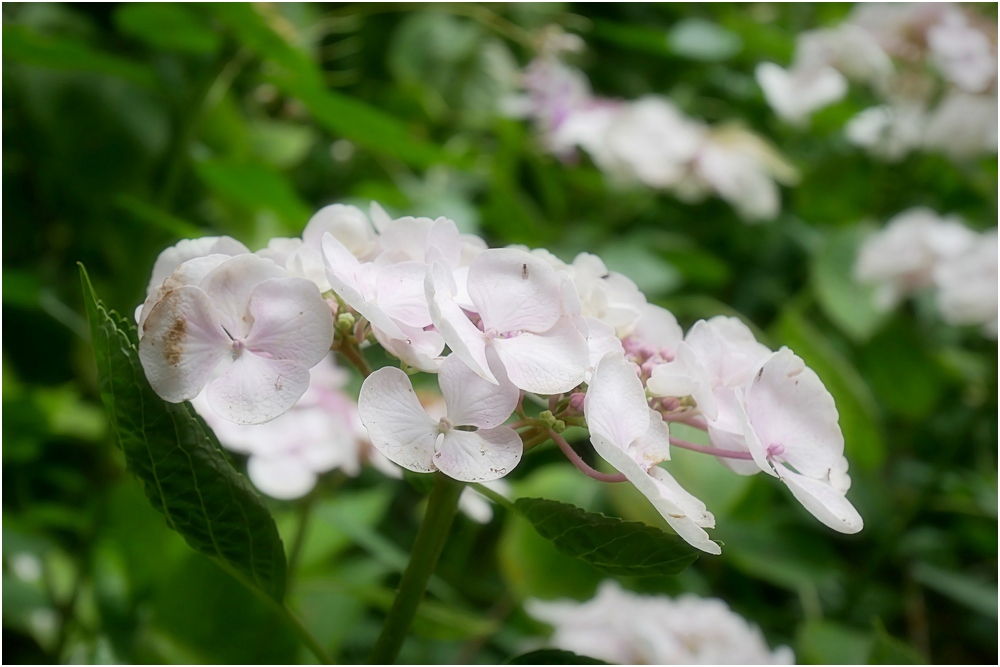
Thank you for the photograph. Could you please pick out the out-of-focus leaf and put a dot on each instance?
(859, 417)
(831, 643)
(697, 39)
(650, 272)
(257, 188)
(171, 26)
(907, 379)
(22, 45)
(634, 37)
(335, 521)
(20, 288)
(339, 114)
(887, 650)
(974, 593)
(151, 215)
(184, 472)
(619, 548)
(553, 656)
(436, 620)
(848, 304)
(281, 144)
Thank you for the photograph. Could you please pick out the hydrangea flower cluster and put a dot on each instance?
(621, 627)
(892, 48)
(649, 140)
(246, 328)
(917, 250)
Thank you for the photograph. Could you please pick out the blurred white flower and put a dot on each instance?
(963, 125)
(626, 628)
(796, 93)
(967, 285)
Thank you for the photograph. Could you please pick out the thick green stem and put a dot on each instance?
(423, 559)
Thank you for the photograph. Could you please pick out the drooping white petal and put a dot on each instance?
(547, 363)
(461, 335)
(514, 291)
(684, 376)
(182, 343)
(686, 514)
(653, 446)
(727, 349)
(188, 249)
(727, 432)
(479, 456)
(615, 405)
(473, 401)
(290, 321)
(397, 425)
(284, 478)
(254, 390)
(230, 285)
(822, 500)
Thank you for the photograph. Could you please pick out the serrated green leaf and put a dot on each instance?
(24, 46)
(620, 548)
(553, 656)
(175, 455)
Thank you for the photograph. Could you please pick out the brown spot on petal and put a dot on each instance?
(174, 341)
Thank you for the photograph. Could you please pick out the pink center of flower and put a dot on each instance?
(775, 449)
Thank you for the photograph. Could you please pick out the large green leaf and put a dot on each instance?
(620, 548)
(184, 472)
(553, 656)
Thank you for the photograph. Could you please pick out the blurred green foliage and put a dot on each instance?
(127, 127)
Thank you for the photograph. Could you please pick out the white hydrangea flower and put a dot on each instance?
(187, 249)
(626, 628)
(608, 296)
(347, 224)
(246, 330)
(967, 285)
(634, 439)
(299, 258)
(796, 93)
(469, 444)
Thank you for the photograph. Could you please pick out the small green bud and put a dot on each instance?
(345, 322)
(546, 419)
(559, 426)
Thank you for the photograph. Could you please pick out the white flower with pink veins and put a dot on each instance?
(521, 307)
(469, 443)
(635, 439)
(622, 627)
(246, 330)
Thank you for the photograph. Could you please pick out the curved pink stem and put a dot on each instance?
(714, 451)
(694, 421)
(581, 464)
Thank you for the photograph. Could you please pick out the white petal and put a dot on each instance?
(478, 456)
(348, 224)
(188, 249)
(601, 340)
(254, 390)
(658, 326)
(346, 276)
(514, 291)
(182, 343)
(547, 363)
(229, 287)
(420, 349)
(397, 425)
(190, 272)
(473, 401)
(290, 321)
(461, 335)
(653, 446)
(685, 513)
(401, 294)
(615, 405)
(445, 243)
(378, 216)
(684, 376)
(758, 449)
(282, 478)
(475, 506)
(823, 501)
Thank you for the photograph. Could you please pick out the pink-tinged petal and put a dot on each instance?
(658, 326)
(401, 295)
(230, 285)
(191, 272)
(547, 363)
(421, 348)
(355, 284)
(189, 249)
(727, 433)
(473, 401)
(758, 449)
(514, 291)
(182, 343)
(793, 412)
(444, 243)
(653, 446)
(348, 224)
(601, 340)
(254, 390)
(615, 405)
(405, 239)
(479, 456)
(827, 504)
(686, 514)
(684, 376)
(379, 217)
(461, 335)
(283, 478)
(727, 348)
(397, 425)
(290, 321)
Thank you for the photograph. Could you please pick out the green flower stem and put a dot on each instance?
(423, 559)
